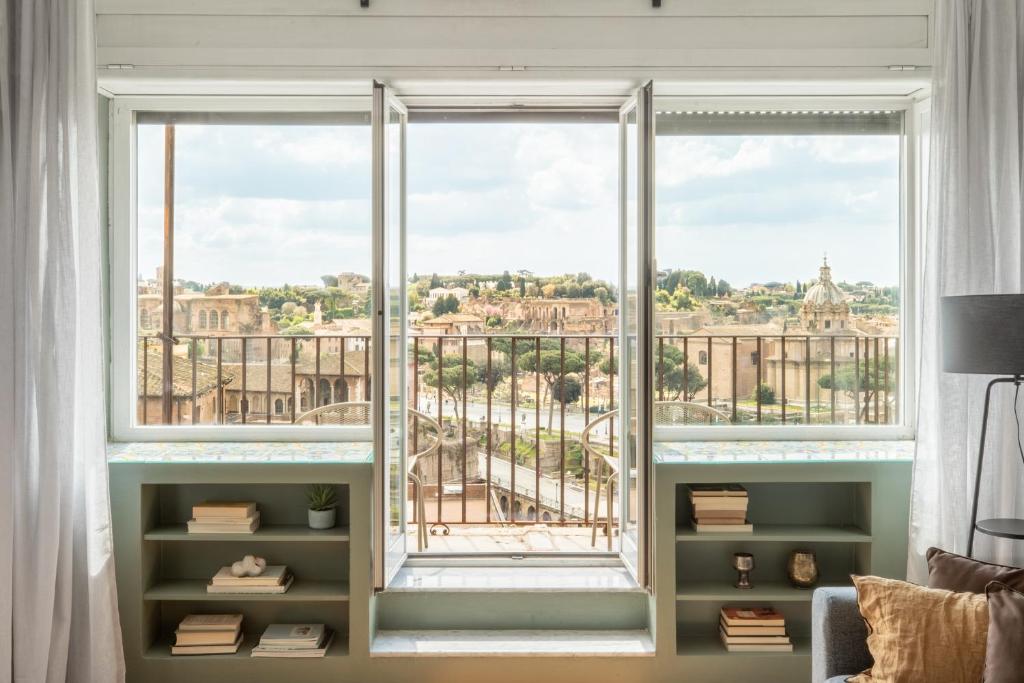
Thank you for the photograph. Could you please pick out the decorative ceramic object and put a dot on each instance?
(743, 563)
(802, 569)
(321, 519)
(250, 565)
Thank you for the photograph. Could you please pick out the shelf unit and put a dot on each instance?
(163, 570)
(846, 513)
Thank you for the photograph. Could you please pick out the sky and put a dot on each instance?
(266, 205)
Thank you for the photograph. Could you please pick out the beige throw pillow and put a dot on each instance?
(920, 634)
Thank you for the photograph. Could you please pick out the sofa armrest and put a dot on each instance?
(838, 634)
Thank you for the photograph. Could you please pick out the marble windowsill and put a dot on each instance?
(492, 579)
(215, 452)
(360, 452)
(678, 452)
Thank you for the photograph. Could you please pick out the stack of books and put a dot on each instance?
(224, 517)
(720, 508)
(294, 640)
(274, 579)
(208, 634)
(753, 629)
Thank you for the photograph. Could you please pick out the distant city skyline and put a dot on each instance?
(265, 205)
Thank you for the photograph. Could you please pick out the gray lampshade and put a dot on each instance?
(983, 334)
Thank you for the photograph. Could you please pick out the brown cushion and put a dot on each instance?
(1004, 660)
(918, 634)
(952, 572)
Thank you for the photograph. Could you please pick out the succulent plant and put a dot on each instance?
(321, 497)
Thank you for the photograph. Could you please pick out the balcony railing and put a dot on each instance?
(513, 408)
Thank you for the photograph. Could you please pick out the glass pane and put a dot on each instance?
(630, 377)
(395, 191)
(778, 244)
(271, 263)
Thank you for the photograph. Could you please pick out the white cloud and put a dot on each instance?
(681, 159)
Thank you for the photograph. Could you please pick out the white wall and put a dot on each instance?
(612, 42)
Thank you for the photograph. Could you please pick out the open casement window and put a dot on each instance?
(636, 267)
(783, 256)
(390, 410)
(241, 269)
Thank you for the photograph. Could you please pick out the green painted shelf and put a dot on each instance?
(711, 646)
(188, 590)
(296, 533)
(162, 650)
(800, 533)
(718, 591)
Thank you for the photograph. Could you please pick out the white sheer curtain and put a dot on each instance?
(58, 608)
(971, 245)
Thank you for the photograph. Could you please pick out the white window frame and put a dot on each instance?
(909, 276)
(122, 198)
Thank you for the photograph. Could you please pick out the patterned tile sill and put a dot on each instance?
(201, 452)
(676, 452)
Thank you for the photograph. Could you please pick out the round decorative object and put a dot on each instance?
(250, 565)
(743, 563)
(321, 519)
(802, 569)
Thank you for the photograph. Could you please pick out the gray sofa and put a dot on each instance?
(838, 636)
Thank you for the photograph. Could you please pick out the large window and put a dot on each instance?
(252, 268)
(779, 248)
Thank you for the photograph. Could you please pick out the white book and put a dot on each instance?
(293, 635)
(252, 590)
(243, 526)
(751, 630)
(263, 651)
(753, 640)
(703, 527)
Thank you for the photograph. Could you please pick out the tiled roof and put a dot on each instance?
(152, 377)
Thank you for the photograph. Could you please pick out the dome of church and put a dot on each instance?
(824, 292)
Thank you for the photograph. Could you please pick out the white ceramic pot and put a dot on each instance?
(321, 519)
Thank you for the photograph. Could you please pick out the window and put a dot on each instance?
(779, 238)
(267, 274)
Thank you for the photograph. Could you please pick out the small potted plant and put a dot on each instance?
(322, 506)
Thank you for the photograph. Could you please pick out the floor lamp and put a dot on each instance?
(984, 335)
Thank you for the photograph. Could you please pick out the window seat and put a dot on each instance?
(678, 452)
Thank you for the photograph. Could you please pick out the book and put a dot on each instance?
(207, 649)
(292, 635)
(719, 504)
(206, 637)
(252, 590)
(753, 640)
(751, 630)
(319, 650)
(752, 616)
(701, 527)
(716, 490)
(784, 647)
(738, 518)
(210, 622)
(240, 526)
(273, 575)
(224, 509)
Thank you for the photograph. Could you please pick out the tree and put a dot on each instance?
(766, 394)
(860, 382)
(504, 282)
(329, 280)
(712, 287)
(450, 376)
(676, 381)
(445, 304)
(567, 391)
(435, 281)
(724, 288)
(550, 369)
(522, 288)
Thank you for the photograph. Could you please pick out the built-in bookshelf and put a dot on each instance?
(844, 512)
(163, 570)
